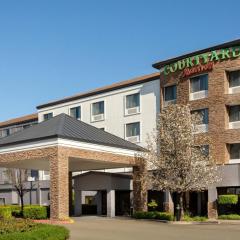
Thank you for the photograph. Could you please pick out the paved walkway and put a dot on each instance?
(97, 228)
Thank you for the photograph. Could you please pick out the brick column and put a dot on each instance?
(212, 203)
(139, 188)
(59, 186)
(168, 205)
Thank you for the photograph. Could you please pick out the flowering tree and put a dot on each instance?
(177, 157)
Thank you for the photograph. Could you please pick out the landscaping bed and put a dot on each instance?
(229, 217)
(22, 229)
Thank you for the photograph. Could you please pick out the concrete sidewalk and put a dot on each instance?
(102, 228)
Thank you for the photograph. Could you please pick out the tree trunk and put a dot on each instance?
(22, 203)
(179, 206)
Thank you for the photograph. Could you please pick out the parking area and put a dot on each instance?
(102, 228)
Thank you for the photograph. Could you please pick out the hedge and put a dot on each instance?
(5, 213)
(35, 212)
(227, 199)
(229, 217)
(154, 215)
(40, 232)
(29, 211)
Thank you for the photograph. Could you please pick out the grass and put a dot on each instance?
(229, 217)
(27, 230)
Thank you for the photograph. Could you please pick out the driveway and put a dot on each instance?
(97, 228)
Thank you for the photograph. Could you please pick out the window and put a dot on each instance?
(133, 132)
(202, 114)
(205, 150)
(102, 129)
(75, 112)
(170, 93)
(234, 78)
(2, 201)
(5, 132)
(234, 151)
(133, 103)
(98, 111)
(199, 83)
(234, 113)
(89, 200)
(47, 116)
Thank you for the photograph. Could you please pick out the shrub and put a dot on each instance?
(154, 215)
(227, 199)
(153, 204)
(38, 232)
(229, 217)
(35, 212)
(188, 218)
(5, 213)
(16, 225)
(164, 216)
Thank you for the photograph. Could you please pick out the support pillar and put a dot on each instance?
(111, 203)
(212, 203)
(199, 203)
(77, 202)
(99, 203)
(59, 186)
(139, 188)
(70, 193)
(168, 205)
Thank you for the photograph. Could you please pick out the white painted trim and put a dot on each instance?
(67, 143)
(233, 161)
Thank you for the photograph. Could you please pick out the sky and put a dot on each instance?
(51, 49)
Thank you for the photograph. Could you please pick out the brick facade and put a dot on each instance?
(217, 101)
(59, 165)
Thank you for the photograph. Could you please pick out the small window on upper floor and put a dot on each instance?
(199, 87)
(75, 112)
(97, 111)
(234, 81)
(47, 116)
(5, 132)
(234, 153)
(132, 132)
(234, 116)
(132, 105)
(201, 118)
(170, 95)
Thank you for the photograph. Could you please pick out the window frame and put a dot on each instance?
(80, 111)
(199, 76)
(104, 112)
(125, 104)
(164, 93)
(47, 114)
(140, 131)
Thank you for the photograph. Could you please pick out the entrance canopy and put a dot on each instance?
(97, 148)
(61, 145)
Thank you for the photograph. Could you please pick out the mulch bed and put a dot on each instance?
(54, 222)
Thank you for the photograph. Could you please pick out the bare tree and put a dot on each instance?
(19, 178)
(177, 157)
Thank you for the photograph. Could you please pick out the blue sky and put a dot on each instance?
(50, 49)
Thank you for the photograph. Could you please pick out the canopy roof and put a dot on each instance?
(66, 127)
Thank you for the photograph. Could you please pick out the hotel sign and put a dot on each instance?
(202, 62)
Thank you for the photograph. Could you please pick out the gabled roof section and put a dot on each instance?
(20, 120)
(115, 86)
(161, 64)
(66, 127)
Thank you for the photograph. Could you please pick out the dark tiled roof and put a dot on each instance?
(20, 120)
(161, 64)
(118, 85)
(64, 126)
